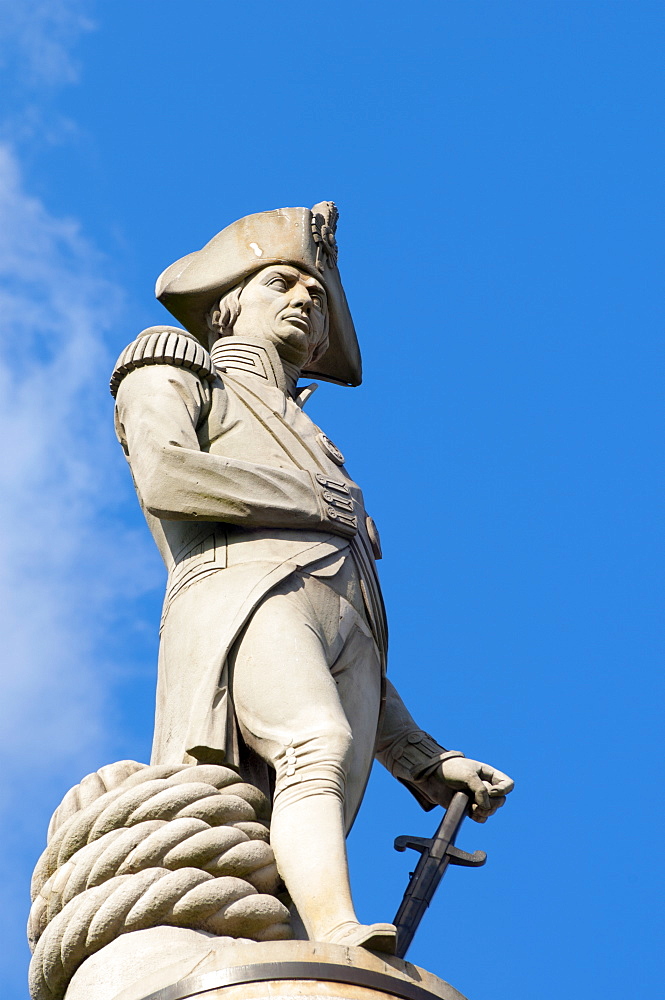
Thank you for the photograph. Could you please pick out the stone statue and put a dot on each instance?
(273, 642)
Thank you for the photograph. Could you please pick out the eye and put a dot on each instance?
(279, 283)
(318, 301)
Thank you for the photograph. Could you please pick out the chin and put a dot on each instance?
(293, 345)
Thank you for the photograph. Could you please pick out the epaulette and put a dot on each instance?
(163, 345)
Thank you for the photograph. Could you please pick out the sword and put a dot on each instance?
(436, 853)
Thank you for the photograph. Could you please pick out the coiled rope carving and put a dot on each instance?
(134, 846)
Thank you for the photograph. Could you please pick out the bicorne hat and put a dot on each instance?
(300, 236)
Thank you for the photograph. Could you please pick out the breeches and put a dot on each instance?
(306, 682)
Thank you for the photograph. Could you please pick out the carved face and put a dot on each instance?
(287, 307)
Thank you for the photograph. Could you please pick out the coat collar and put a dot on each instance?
(261, 360)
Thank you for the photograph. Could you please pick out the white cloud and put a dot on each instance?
(59, 572)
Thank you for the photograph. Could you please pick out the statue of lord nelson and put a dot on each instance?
(273, 640)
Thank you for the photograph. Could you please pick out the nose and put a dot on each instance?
(300, 297)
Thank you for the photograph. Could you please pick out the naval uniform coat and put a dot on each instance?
(240, 489)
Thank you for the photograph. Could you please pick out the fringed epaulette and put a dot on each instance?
(163, 345)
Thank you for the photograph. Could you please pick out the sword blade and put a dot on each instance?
(428, 873)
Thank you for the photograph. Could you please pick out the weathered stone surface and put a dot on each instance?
(144, 962)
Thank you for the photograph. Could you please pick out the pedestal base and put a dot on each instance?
(170, 963)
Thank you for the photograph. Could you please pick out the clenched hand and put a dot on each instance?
(486, 786)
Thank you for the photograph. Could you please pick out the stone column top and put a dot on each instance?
(172, 963)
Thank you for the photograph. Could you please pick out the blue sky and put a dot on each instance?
(498, 168)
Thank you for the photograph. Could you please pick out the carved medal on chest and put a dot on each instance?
(331, 450)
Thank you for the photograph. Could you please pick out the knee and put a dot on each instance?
(315, 763)
(333, 741)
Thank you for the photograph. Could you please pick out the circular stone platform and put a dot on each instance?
(171, 963)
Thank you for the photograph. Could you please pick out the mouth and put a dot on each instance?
(298, 320)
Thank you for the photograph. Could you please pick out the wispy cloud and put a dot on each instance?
(37, 37)
(37, 58)
(66, 566)
(54, 311)
(64, 571)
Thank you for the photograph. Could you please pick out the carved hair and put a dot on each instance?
(222, 317)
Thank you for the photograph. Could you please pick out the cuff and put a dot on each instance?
(416, 755)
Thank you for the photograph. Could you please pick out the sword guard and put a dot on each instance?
(420, 844)
(457, 857)
(454, 854)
